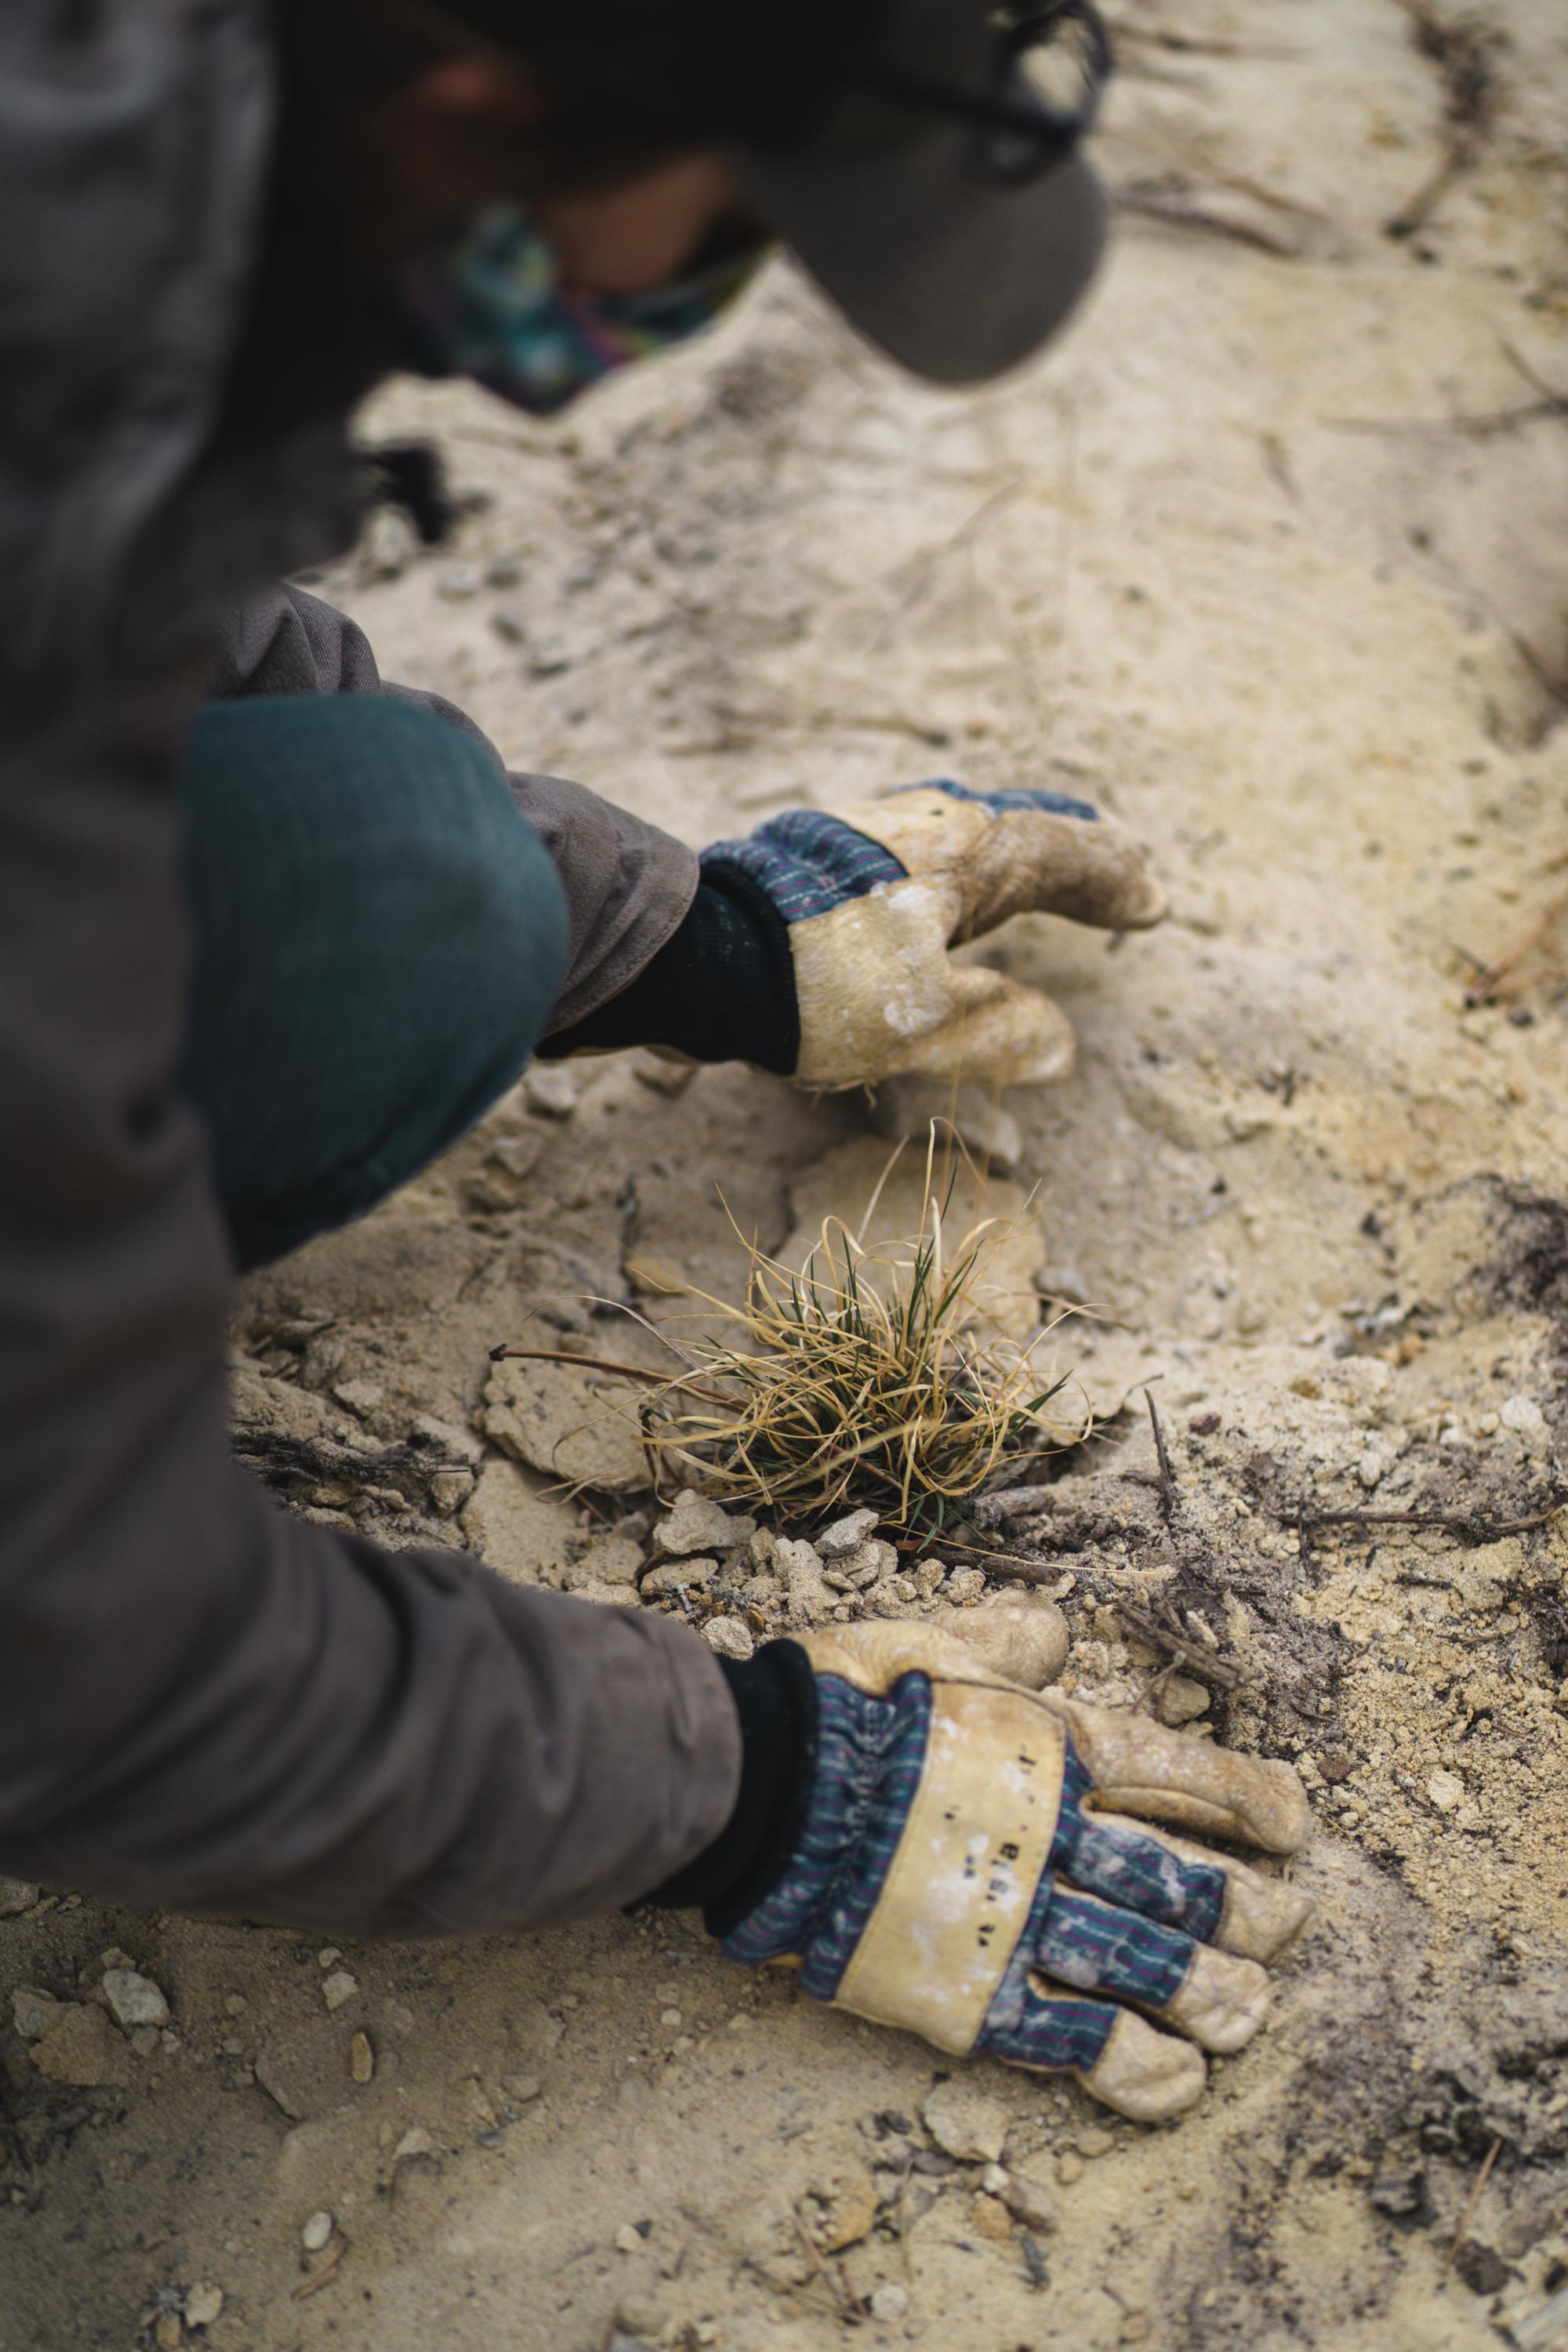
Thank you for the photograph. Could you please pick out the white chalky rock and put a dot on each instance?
(667, 1581)
(967, 2123)
(1525, 1418)
(1445, 1791)
(133, 2000)
(202, 2304)
(317, 2231)
(810, 1598)
(729, 1637)
(846, 1535)
(889, 2301)
(698, 1524)
(338, 1988)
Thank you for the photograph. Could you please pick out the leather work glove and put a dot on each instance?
(963, 1868)
(874, 896)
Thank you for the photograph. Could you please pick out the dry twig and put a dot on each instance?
(1471, 2202)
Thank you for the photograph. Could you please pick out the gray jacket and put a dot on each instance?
(204, 1702)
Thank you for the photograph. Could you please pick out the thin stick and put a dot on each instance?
(1167, 1476)
(1471, 2202)
(1453, 1523)
(604, 1364)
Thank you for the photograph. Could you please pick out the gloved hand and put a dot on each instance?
(874, 896)
(962, 1868)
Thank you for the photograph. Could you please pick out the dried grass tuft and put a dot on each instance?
(865, 1377)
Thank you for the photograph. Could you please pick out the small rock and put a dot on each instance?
(667, 1581)
(451, 1489)
(1184, 1700)
(80, 2046)
(851, 2213)
(729, 1637)
(1135, 2327)
(167, 2330)
(133, 1998)
(1069, 2167)
(1094, 2142)
(989, 2218)
(416, 2142)
(202, 2304)
(846, 1535)
(696, 1524)
(551, 1088)
(890, 2302)
(1445, 1791)
(1525, 1418)
(613, 1560)
(328, 1956)
(629, 2239)
(810, 1599)
(1371, 1469)
(33, 2013)
(464, 580)
(362, 2058)
(338, 1988)
(16, 1896)
(520, 2087)
(361, 1397)
(870, 1562)
(965, 2123)
(317, 2231)
(760, 1550)
(966, 1585)
(1032, 2200)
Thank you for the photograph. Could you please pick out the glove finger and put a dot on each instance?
(1215, 1898)
(1212, 1997)
(1116, 2054)
(1012, 852)
(1137, 1766)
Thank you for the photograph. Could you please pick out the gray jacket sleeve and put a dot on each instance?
(627, 883)
(204, 1702)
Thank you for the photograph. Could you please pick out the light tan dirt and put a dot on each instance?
(1203, 565)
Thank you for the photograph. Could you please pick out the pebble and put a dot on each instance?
(317, 2231)
(338, 1988)
(1032, 2200)
(167, 2331)
(202, 2304)
(629, 2238)
(133, 1998)
(889, 2301)
(810, 1599)
(16, 1896)
(989, 2218)
(33, 2013)
(846, 1535)
(416, 2142)
(1094, 2142)
(1524, 1416)
(966, 1585)
(1069, 2167)
(520, 2087)
(667, 1581)
(729, 1637)
(851, 2215)
(1184, 1700)
(80, 2046)
(966, 2123)
(696, 1523)
(612, 1560)
(362, 2058)
(551, 1088)
(451, 1489)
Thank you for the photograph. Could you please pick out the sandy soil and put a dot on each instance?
(1221, 563)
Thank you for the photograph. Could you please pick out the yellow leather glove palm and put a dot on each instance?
(876, 895)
